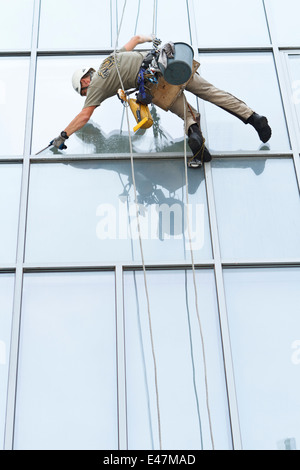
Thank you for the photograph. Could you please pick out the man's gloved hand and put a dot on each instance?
(59, 142)
(156, 41)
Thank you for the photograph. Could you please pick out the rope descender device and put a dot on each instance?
(140, 111)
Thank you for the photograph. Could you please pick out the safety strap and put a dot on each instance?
(144, 75)
(141, 84)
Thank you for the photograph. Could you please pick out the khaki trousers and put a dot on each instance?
(208, 92)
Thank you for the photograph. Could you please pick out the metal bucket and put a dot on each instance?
(179, 68)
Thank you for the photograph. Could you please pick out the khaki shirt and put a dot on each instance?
(106, 81)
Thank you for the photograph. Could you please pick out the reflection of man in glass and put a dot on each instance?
(98, 86)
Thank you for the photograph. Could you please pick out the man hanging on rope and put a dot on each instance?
(100, 85)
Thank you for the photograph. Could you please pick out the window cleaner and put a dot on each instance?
(140, 72)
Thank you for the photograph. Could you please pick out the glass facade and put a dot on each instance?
(16, 25)
(284, 16)
(253, 76)
(13, 95)
(265, 353)
(10, 191)
(177, 346)
(201, 349)
(67, 381)
(107, 231)
(234, 30)
(294, 78)
(6, 298)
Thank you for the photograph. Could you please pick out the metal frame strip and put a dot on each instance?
(16, 317)
(218, 263)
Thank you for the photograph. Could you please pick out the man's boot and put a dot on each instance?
(260, 124)
(197, 145)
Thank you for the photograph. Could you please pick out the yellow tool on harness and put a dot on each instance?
(142, 115)
(140, 111)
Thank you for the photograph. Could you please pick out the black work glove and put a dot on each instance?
(59, 142)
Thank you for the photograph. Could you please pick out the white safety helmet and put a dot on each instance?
(77, 76)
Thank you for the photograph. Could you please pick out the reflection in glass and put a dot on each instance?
(233, 23)
(10, 185)
(107, 131)
(66, 397)
(16, 25)
(179, 360)
(252, 78)
(263, 309)
(285, 16)
(13, 96)
(75, 33)
(294, 68)
(85, 211)
(258, 207)
(6, 302)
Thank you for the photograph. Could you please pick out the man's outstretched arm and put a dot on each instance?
(138, 39)
(78, 122)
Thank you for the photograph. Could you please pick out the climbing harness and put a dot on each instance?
(139, 105)
(142, 96)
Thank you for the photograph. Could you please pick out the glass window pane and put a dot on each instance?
(286, 21)
(173, 27)
(6, 302)
(294, 70)
(10, 185)
(54, 85)
(140, 15)
(13, 96)
(263, 309)
(229, 25)
(85, 211)
(62, 25)
(258, 208)
(67, 386)
(179, 360)
(138, 19)
(252, 78)
(107, 130)
(16, 25)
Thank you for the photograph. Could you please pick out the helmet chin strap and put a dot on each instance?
(83, 89)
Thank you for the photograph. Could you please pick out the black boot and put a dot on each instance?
(197, 145)
(260, 124)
